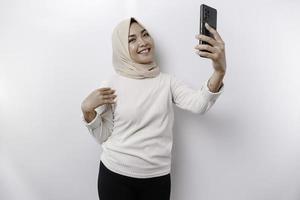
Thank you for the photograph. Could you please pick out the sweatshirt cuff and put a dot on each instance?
(211, 96)
(95, 123)
(97, 120)
(100, 109)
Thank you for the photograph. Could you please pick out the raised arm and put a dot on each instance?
(197, 101)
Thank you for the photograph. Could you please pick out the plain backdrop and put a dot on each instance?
(53, 53)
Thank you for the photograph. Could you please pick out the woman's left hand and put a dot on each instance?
(217, 49)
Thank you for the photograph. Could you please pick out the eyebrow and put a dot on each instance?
(134, 34)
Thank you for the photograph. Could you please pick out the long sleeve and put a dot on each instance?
(101, 126)
(197, 101)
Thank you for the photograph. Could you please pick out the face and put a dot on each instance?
(139, 40)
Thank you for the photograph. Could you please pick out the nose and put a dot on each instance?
(141, 41)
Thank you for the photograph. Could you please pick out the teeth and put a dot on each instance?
(145, 51)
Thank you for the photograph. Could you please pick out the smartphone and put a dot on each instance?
(207, 15)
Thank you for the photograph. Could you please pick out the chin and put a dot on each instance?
(147, 60)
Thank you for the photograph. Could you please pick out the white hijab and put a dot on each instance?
(122, 61)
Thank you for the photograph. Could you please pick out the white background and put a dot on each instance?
(53, 53)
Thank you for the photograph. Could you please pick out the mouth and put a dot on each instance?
(144, 51)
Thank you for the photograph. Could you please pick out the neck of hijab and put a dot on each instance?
(122, 62)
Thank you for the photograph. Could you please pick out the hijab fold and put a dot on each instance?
(122, 62)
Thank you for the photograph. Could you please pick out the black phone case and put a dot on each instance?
(207, 14)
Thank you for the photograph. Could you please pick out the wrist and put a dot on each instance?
(220, 73)
(86, 109)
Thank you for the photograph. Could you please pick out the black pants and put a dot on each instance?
(114, 186)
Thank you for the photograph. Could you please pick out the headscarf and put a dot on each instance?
(122, 62)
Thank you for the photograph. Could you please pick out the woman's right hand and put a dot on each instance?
(98, 98)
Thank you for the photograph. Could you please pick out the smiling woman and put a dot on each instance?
(141, 44)
(130, 42)
(135, 130)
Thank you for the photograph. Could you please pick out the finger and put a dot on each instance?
(107, 101)
(109, 96)
(110, 101)
(206, 47)
(207, 39)
(107, 92)
(104, 88)
(214, 32)
(206, 54)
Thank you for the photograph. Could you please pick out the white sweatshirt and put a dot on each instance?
(136, 133)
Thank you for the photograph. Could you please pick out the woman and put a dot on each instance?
(135, 131)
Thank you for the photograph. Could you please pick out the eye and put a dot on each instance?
(131, 40)
(146, 34)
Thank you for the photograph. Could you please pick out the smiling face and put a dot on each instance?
(140, 44)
